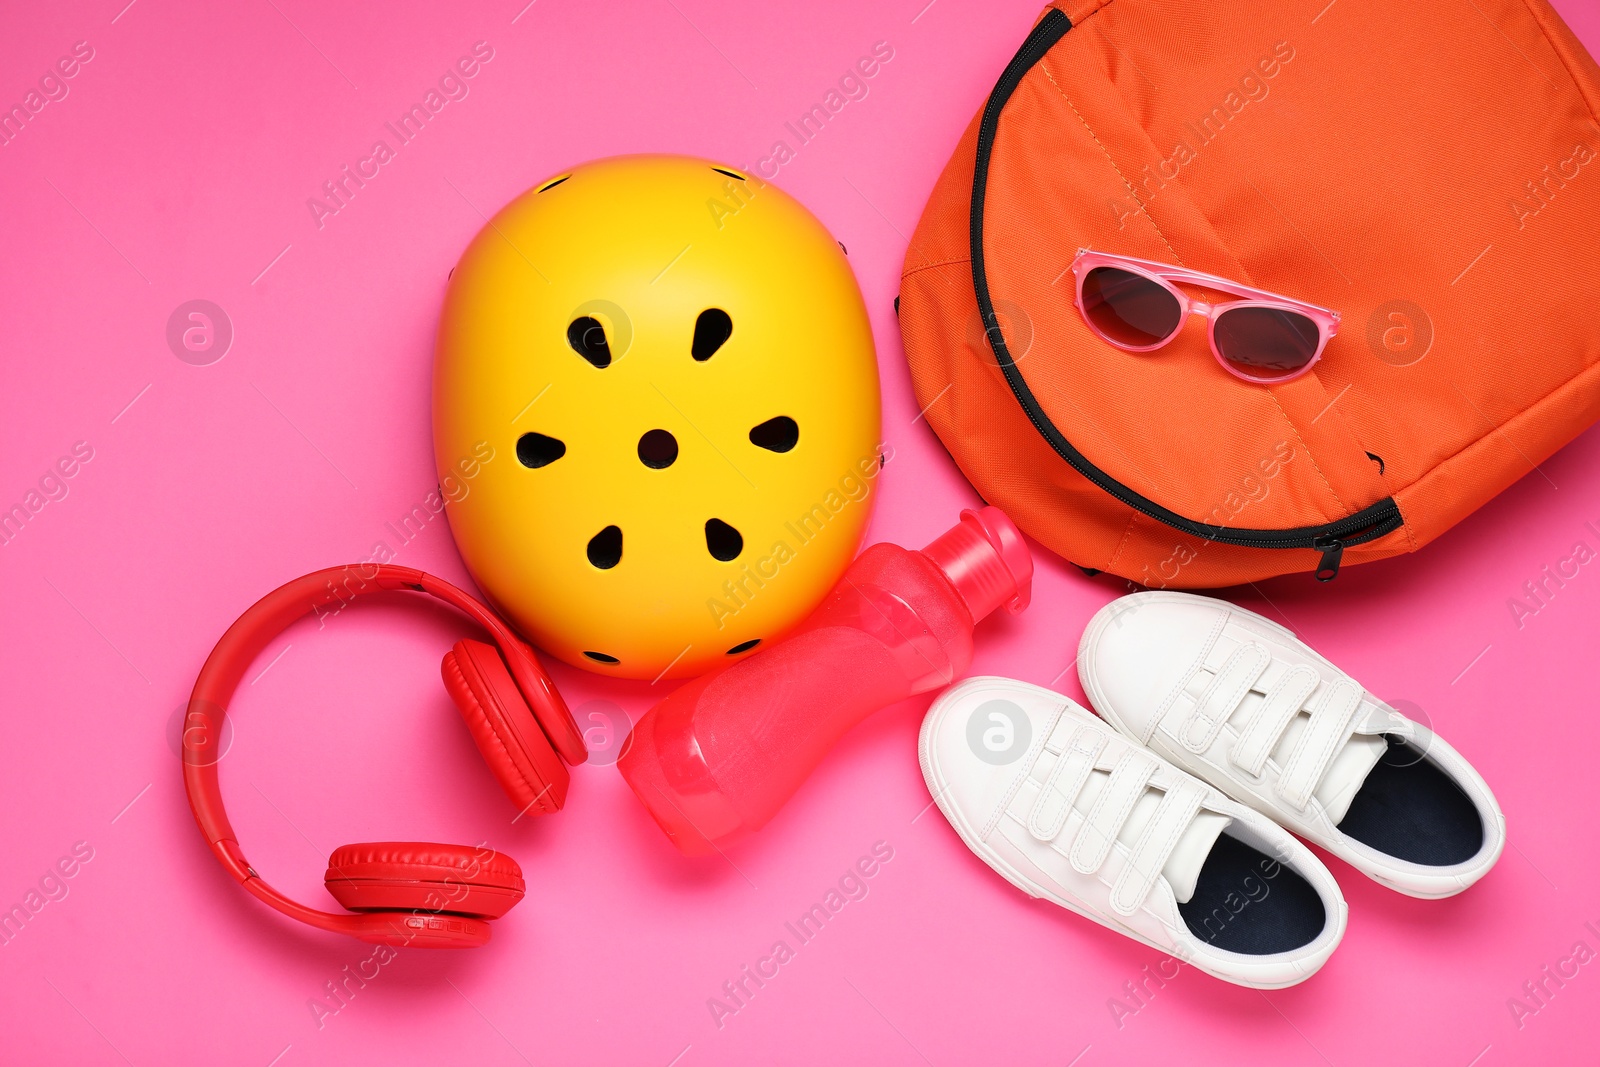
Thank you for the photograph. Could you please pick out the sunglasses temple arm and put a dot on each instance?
(1211, 281)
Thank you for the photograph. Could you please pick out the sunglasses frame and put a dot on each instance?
(1169, 278)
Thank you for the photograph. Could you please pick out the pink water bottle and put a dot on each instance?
(718, 757)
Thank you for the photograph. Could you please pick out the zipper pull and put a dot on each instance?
(1332, 552)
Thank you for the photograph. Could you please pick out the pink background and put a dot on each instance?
(178, 167)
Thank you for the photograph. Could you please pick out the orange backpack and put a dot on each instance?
(1429, 169)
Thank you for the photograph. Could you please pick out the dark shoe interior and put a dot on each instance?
(1411, 810)
(1245, 901)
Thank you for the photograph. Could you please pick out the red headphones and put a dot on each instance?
(399, 892)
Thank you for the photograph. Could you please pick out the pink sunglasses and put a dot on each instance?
(1136, 304)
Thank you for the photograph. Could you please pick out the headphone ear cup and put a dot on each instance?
(419, 876)
(518, 754)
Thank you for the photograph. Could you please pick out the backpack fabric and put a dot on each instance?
(1429, 169)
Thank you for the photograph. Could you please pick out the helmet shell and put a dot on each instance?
(670, 369)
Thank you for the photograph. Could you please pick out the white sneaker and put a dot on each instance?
(1239, 701)
(1067, 809)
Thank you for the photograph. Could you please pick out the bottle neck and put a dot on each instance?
(986, 561)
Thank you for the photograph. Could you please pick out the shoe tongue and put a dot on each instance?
(1345, 774)
(1348, 773)
(1189, 855)
(1182, 868)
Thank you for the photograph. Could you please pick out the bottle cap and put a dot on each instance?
(986, 559)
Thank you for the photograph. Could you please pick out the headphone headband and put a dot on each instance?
(249, 636)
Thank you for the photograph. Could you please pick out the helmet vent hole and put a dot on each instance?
(711, 330)
(588, 338)
(776, 435)
(735, 175)
(547, 186)
(601, 657)
(658, 449)
(537, 450)
(722, 541)
(744, 646)
(605, 548)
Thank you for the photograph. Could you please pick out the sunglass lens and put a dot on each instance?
(1129, 309)
(1266, 342)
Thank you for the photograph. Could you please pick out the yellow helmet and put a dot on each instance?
(660, 375)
